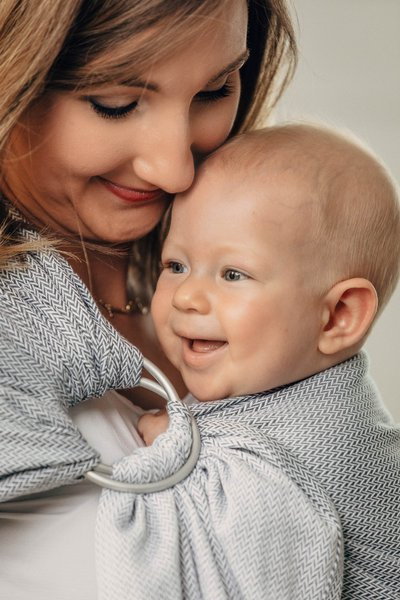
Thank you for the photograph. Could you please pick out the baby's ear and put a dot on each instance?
(348, 311)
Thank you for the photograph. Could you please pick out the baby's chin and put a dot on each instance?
(212, 384)
(207, 393)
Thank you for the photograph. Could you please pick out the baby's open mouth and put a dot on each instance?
(197, 345)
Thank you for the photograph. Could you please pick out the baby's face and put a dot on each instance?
(233, 308)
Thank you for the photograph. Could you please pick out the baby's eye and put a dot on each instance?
(233, 275)
(176, 267)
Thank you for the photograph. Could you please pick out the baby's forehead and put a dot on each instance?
(275, 182)
(268, 197)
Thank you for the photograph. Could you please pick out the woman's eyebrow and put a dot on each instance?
(140, 83)
(235, 64)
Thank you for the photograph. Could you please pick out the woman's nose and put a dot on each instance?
(192, 296)
(165, 159)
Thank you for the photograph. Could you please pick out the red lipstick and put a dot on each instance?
(130, 194)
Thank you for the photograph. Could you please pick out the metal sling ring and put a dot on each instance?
(102, 474)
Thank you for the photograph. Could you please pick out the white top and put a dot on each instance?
(47, 540)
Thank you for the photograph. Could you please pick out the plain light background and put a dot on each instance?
(349, 76)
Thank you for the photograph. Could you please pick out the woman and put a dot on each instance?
(106, 108)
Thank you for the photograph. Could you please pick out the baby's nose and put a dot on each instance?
(192, 295)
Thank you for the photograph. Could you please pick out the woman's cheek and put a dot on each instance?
(213, 129)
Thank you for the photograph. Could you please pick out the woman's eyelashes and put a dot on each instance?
(107, 111)
(112, 112)
(214, 95)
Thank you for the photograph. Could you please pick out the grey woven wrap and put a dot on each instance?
(296, 495)
(288, 484)
(55, 350)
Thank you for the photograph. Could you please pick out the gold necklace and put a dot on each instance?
(132, 307)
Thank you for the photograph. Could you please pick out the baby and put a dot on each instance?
(271, 278)
(276, 264)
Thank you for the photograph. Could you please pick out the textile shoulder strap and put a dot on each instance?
(56, 349)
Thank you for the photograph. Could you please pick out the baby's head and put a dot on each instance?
(276, 261)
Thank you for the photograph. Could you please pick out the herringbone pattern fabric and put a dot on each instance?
(55, 350)
(290, 486)
(296, 495)
(336, 427)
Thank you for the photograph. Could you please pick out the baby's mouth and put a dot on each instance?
(203, 346)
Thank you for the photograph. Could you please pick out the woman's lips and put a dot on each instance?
(131, 194)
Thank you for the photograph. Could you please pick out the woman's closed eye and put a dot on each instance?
(225, 87)
(107, 111)
(118, 109)
(214, 95)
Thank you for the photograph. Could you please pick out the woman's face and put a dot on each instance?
(105, 164)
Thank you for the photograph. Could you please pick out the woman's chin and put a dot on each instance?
(111, 233)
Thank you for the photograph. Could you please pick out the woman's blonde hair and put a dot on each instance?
(75, 44)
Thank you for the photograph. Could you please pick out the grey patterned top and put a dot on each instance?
(56, 350)
(296, 493)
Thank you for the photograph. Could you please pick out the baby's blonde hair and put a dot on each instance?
(354, 229)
